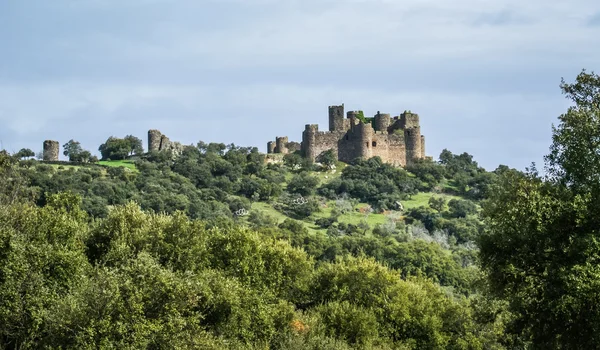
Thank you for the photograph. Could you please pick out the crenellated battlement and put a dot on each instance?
(396, 140)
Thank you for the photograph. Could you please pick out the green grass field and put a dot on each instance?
(119, 163)
(355, 217)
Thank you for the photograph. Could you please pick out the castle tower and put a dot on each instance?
(280, 144)
(336, 118)
(154, 140)
(423, 146)
(382, 122)
(409, 120)
(365, 137)
(412, 137)
(270, 147)
(308, 146)
(353, 118)
(51, 151)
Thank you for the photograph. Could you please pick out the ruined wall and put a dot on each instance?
(423, 147)
(293, 146)
(159, 142)
(51, 150)
(396, 149)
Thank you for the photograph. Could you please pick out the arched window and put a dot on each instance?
(374, 144)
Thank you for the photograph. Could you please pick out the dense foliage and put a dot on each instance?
(176, 252)
(540, 250)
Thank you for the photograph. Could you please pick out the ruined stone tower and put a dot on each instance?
(51, 150)
(159, 142)
(395, 140)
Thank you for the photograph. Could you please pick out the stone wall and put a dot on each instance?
(397, 140)
(293, 146)
(51, 151)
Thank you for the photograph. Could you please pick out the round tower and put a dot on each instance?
(382, 121)
(270, 147)
(308, 146)
(51, 150)
(353, 117)
(154, 139)
(280, 144)
(365, 133)
(412, 137)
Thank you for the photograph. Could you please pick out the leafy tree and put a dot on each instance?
(303, 184)
(135, 145)
(25, 153)
(459, 208)
(115, 148)
(292, 160)
(437, 203)
(73, 150)
(327, 158)
(541, 250)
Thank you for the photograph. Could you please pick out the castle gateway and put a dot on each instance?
(396, 140)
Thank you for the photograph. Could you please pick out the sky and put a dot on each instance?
(482, 75)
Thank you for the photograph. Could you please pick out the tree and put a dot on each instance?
(135, 145)
(437, 203)
(540, 251)
(327, 158)
(25, 153)
(72, 149)
(115, 149)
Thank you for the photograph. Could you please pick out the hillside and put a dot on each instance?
(414, 228)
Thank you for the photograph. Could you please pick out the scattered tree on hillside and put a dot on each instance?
(116, 149)
(25, 153)
(437, 203)
(76, 153)
(327, 158)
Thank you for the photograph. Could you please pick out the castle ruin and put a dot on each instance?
(396, 140)
(159, 142)
(51, 151)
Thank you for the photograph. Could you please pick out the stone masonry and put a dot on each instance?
(396, 140)
(159, 142)
(51, 151)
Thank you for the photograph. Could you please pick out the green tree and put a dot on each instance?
(437, 203)
(327, 158)
(135, 145)
(541, 251)
(25, 153)
(115, 149)
(72, 149)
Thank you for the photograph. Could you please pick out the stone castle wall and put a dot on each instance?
(397, 140)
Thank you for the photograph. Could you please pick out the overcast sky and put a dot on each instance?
(483, 75)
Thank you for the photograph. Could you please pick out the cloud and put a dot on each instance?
(594, 20)
(483, 75)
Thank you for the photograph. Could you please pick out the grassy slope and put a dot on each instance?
(118, 163)
(420, 199)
